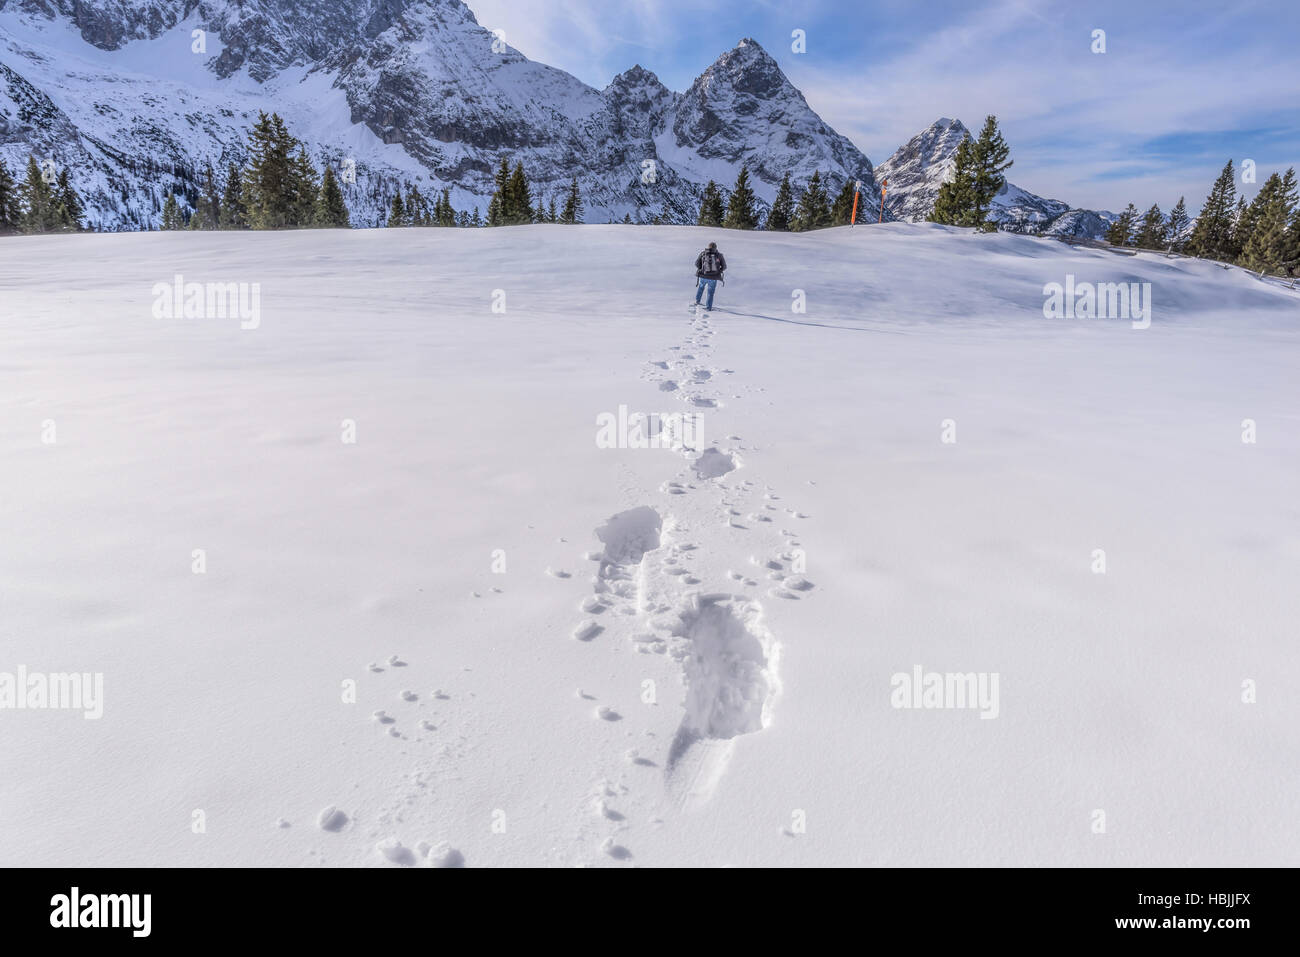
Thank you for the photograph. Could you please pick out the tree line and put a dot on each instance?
(511, 205)
(815, 208)
(1263, 235)
(42, 202)
(278, 187)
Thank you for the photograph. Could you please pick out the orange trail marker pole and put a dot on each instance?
(853, 219)
(883, 184)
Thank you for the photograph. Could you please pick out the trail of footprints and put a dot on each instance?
(414, 718)
(647, 576)
(647, 587)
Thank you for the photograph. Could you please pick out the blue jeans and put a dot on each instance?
(709, 284)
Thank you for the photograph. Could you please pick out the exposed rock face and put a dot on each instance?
(417, 91)
(410, 90)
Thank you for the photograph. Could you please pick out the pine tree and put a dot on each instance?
(397, 211)
(199, 218)
(207, 208)
(1265, 247)
(572, 205)
(551, 216)
(233, 214)
(1121, 231)
(210, 190)
(10, 213)
(955, 204)
(331, 209)
(518, 205)
(1240, 230)
(813, 211)
(417, 209)
(711, 212)
(477, 220)
(778, 218)
(741, 213)
(36, 201)
(304, 188)
(1212, 235)
(269, 181)
(67, 204)
(1291, 247)
(991, 160)
(1151, 231)
(447, 216)
(1244, 217)
(1177, 226)
(171, 214)
(498, 206)
(965, 200)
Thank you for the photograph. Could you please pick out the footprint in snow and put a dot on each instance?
(713, 464)
(331, 818)
(443, 854)
(616, 851)
(392, 850)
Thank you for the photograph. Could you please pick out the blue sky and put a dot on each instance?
(1181, 88)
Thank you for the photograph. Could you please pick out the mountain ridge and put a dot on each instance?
(136, 95)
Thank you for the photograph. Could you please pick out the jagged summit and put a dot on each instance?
(919, 168)
(635, 76)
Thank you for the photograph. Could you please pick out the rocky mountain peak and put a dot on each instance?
(748, 69)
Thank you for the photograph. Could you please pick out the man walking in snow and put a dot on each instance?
(709, 267)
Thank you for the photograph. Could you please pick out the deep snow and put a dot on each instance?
(644, 655)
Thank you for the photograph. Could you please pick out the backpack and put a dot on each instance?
(709, 262)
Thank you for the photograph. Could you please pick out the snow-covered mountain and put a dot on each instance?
(917, 170)
(134, 96)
